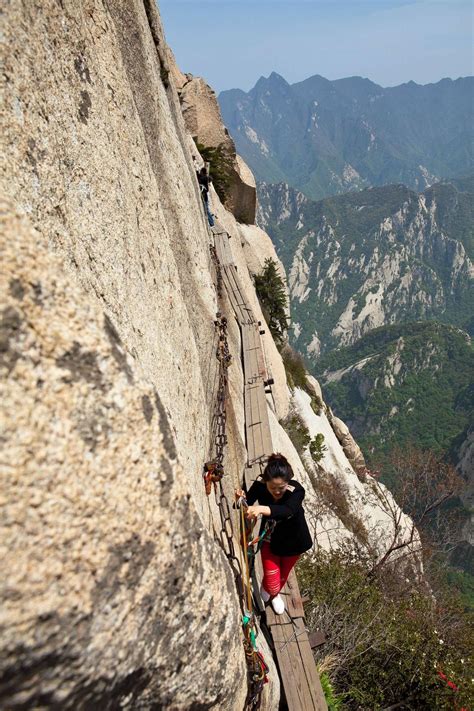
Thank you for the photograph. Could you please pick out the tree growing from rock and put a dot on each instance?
(271, 293)
(220, 162)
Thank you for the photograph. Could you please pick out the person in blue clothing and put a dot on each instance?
(280, 499)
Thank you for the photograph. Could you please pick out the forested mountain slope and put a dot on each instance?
(371, 258)
(403, 385)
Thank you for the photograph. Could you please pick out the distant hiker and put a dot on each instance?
(280, 498)
(203, 180)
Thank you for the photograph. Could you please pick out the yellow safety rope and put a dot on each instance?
(246, 559)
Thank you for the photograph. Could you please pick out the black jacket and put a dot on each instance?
(291, 535)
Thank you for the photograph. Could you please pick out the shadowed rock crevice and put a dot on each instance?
(82, 365)
(118, 351)
(10, 323)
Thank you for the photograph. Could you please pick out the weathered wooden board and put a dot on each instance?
(292, 596)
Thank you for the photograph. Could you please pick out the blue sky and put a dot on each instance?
(231, 43)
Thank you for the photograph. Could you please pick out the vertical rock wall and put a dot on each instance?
(114, 592)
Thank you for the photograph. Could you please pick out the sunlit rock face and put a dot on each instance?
(109, 575)
(114, 591)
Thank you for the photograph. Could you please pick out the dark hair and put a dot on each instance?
(278, 467)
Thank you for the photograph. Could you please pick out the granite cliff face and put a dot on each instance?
(100, 605)
(204, 122)
(108, 280)
(116, 593)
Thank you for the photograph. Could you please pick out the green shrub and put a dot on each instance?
(296, 431)
(317, 447)
(333, 701)
(316, 404)
(271, 293)
(388, 640)
(220, 161)
(295, 367)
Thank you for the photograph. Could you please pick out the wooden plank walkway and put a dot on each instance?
(293, 653)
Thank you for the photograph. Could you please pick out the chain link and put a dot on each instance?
(217, 267)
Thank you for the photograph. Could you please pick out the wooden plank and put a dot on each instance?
(267, 443)
(247, 313)
(279, 635)
(309, 666)
(234, 297)
(298, 694)
(296, 661)
(245, 342)
(230, 292)
(297, 665)
(255, 424)
(262, 366)
(223, 249)
(249, 432)
(291, 594)
(316, 639)
(247, 361)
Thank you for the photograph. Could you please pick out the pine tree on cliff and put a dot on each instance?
(271, 294)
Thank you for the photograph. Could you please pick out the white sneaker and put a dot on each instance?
(264, 595)
(278, 605)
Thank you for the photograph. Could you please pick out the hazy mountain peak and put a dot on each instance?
(327, 137)
(273, 82)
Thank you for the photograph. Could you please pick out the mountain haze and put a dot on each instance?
(327, 137)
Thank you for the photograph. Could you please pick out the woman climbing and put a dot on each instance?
(280, 499)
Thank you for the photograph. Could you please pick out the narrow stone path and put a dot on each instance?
(291, 644)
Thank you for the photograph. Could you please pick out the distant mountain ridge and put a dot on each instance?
(372, 258)
(327, 137)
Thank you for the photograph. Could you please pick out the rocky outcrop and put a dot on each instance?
(351, 449)
(203, 119)
(258, 247)
(369, 259)
(202, 114)
(242, 193)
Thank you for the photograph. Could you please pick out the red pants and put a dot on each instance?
(276, 569)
